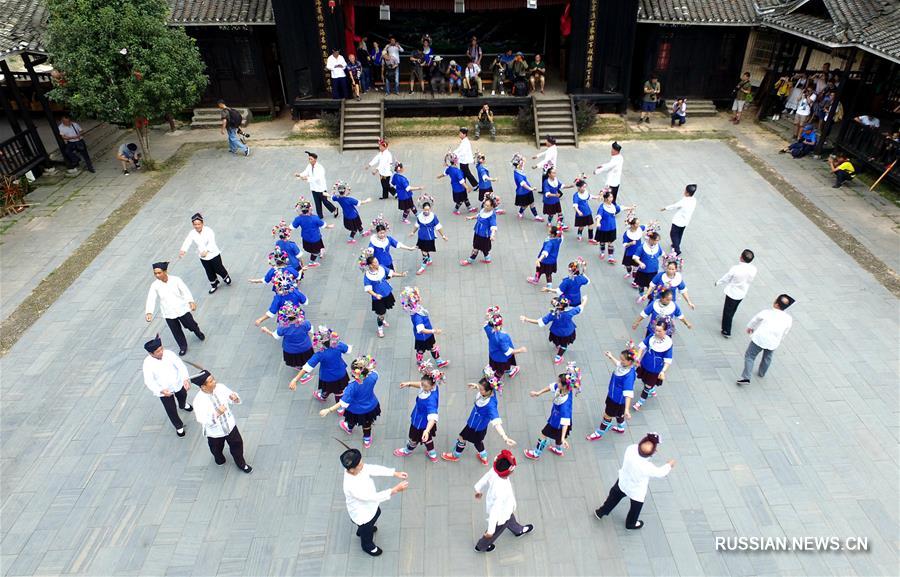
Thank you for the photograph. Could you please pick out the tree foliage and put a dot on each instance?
(121, 63)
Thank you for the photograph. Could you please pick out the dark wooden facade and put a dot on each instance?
(601, 45)
(242, 64)
(700, 62)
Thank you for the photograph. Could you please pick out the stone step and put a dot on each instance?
(556, 117)
(360, 146)
(371, 139)
(376, 130)
(362, 122)
(555, 108)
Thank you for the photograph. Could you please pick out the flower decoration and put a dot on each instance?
(364, 254)
(278, 258)
(324, 338)
(303, 206)
(427, 368)
(282, 231)
(290, 315)
(284, 282)
(341, 188)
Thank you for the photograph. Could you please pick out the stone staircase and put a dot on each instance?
(212, 117)
(362, 124)
(699, 108)
(555, 117)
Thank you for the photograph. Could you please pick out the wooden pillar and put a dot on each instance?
(45, 102)
(17, 96)
(12, 115)
(850, 111)
(806, 56)
(838, 98)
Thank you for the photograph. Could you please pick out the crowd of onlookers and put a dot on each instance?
(373, 67)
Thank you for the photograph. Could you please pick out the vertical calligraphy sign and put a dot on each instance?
(591, 41)
(323, 42)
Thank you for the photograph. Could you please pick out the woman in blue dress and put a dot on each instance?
(360, 405)
(310, 226)
(654, 358)
(646, 257)
(405, 202)
(524, 190)
(350, 210)
(375, 283)
(458, 185)
(485, 231)
(552, 189)
(381, 243)
(559, 424)
(427, 227)
(424, 417)
(484, 414)
(329, 357)
(293, 331)
(561, 323)
(282, 234)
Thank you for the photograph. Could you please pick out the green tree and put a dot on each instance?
(120, 63)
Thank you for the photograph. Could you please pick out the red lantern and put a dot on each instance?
(332, 4)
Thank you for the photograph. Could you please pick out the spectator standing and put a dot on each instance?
(498, 71)
(129, 156)
(416, 60)
(393, 50)
(365, 62)
(391, 72)
(377, 57)
(231, 122)
(842, 169)
(804, 110)
(743, 95)
(798, 85)
(474, 52)
(679, 112)
(354, 75)
(485, 120)
(869, 121)
(427, 52)
(650, 97)
(783, 89)
(472, 77)
(337, 66)
(737, 282)
(684, 210)
(75, 145)
(766, 330)
(314, 174)
(538, 71)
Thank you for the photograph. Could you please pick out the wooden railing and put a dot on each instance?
(871, 146)
(20, 153)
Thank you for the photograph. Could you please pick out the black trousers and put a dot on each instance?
(169, 404)
(731, 307)
(214, 268)
(512, 524)
(321, 198)
(187, 321)
(468, 174)
(235, 446)
(386, 188)
(675, 233)
(76, 149)
(615, 495)
(366, 533)
(841, 176)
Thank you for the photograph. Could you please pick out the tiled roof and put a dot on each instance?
(697, 11)
(187, 12)
(22, 27)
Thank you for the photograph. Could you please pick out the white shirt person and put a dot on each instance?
(499, 502)
(167, 378)
(362, 497)
(210, 255)
(212, 409)
(767, 329)
(175, 303)
(737, 282)
(684, 210)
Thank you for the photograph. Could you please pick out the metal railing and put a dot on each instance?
(20, 153)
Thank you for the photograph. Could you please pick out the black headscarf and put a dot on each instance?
(153, 344)
(161, 265)
(200, 378)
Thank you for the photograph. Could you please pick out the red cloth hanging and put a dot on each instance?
(350, 37)
(565, 21)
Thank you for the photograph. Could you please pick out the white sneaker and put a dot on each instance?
(493, 93)
(502, 93)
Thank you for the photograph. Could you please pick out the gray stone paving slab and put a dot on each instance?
(774, 458)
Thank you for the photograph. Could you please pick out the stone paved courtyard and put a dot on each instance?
(95, 482)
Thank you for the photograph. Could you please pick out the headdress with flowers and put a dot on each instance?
(450, 158)
(559, 303)
(282, 231)
(423, 198)
(364, 254)
(651, 228)
(479, 157)
(341, 188)
(363, 364)
(517, 159)
(284, 282)
(427, 369)
(547, 165)
(396, 166)
(303, 206)
(573, 375)
(673, 257)
(278, 257)
(488, 194)
(630, 215)
(493, 316)
(324, 338)
(631, 349)
(410, 300)
(494, 383)
(380, 221)
(578, 266)
(290, 315)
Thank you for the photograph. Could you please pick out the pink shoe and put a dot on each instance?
(487, 260)
(611, 260)
(306, 379)
(367, 233)
(318, 396)
(627, 275)
(456, 212)
(367, 442)
(430, 262)
(380, 333)
(405, 221)
(483, 460)
(351, 241)
(538, 219)
(564, 228)
(449, 457)
(634, 285)
(432, 456)
(340, 412)
(401, 452)
(465, 262)
(557, 359)
(521, 216)
(344, 427)
(618, 429)
(514, 371)
(592, 241)
(312, 265)
(531, 280)
(421, 270)
(555, 451)
(594, 436)
(531, 454)
(579, 238)
(637, 406)
(442, 363)
(473, 209)
(386, 324)
(500, 211)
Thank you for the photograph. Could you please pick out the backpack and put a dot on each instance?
(234, 118)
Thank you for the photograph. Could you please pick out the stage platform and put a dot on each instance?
(427, 104)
